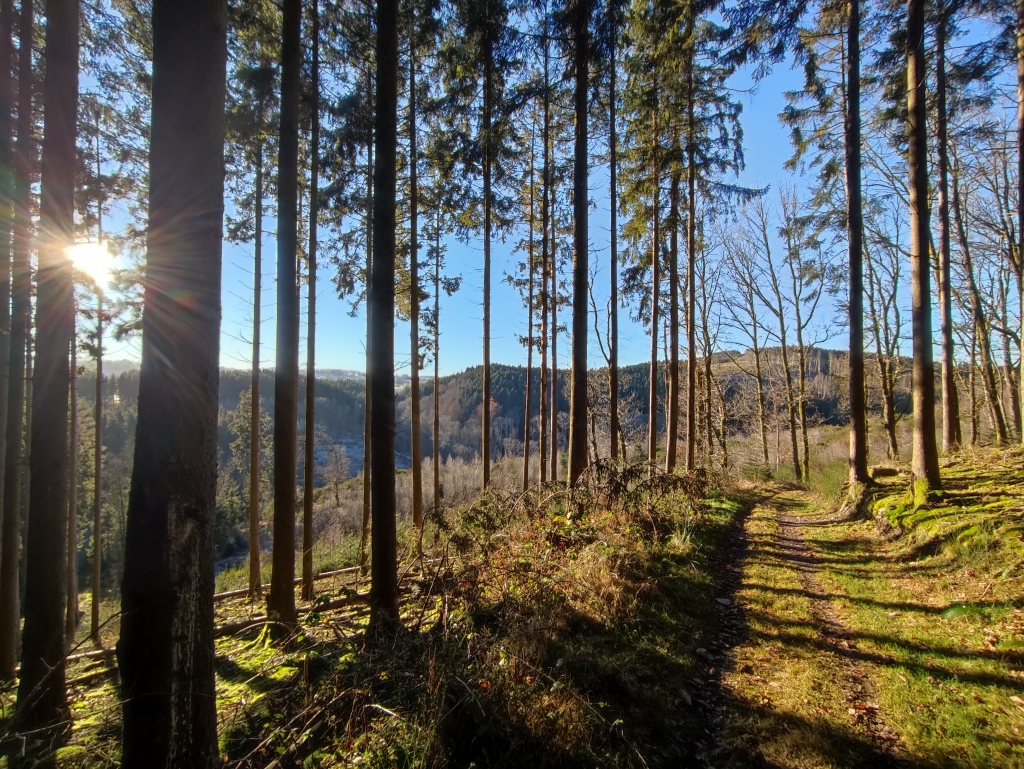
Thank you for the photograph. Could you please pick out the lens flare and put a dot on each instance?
(94, 260)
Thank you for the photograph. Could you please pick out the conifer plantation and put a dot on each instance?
(655, 370)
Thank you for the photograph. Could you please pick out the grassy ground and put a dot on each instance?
(897, 643)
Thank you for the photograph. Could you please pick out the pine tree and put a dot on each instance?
(42, 700)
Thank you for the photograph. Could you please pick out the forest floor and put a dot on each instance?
(752, 626)
(890, 642)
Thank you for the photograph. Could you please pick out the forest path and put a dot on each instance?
(796, 690)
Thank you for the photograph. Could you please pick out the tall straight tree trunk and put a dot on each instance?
(855, 243)
(97, 494)
(547, 261)
(281, 601)
(672, 428)
(384, 586)
(972, 382)
(926, 455)
(414, 304)
(485, 405)
(166, 649)
(581, 246)
(309, 446)
(10, 547)
(613, 212)
(950, 408)
(528, 406)
(437, 365)
(8, 186)
(42, 700)
(364, 537)
(1020, 193)
(691, 256)
(71, 613)
(652, 395)
(255, 576)
(553, 395)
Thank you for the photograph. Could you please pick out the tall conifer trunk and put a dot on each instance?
(10, 547)
(166, 649)
(71, 612)
(255, 576)
(581, 245)
(7, 202)
(950, 408)
(309, 454)
(364, 536)
(854, 237)
(97, 494)
(691, 256)
(281, 601)
(384, 585)
(613, 212)
(672, 421)
(485, 403)
(652, 397)
(42, 700)
(926, 457)
(528, 406)
(414, 301)
(437, 365)
(546, 265)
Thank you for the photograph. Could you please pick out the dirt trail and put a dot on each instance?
(793, 692)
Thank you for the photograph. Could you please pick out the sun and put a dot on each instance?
(93, 259)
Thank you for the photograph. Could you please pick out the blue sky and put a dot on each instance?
(340, 337)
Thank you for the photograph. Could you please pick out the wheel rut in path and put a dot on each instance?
(789, 550)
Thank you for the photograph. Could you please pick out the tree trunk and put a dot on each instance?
(691, 255)
(71, 614)
(547, 261)
(581, 246)
(485, 403)
(309, 446)
(437, 366)
(7, 202)
(414, 305)
(1020, 192)
(672, 409)
(652, 395)
(926, 456)
(281, 601)
(166, 649)
(950, 411)
(97, 494)
(553, 395)
(384, 586)
(255, 576)
(528, 406)
(613, 342)
(10, 547)
(42, 700)
(364, 536)
(854, 236)
(11, 584)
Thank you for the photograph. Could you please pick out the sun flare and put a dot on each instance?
(93, 259)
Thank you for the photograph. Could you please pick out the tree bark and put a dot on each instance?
(485, 403)
(926, 456)
(547, 265)
(437, 365)
(950, 408)
(281, 601)
(613, 341)
(42, 700)
(855, 242)
(364, 536)
(10, 546)
(166, 649)
(652, 394)
(7, 202)
(691, 255)
(384, 585)
(414, 303)
(672, 426)
(71, 613)
(581, 245)
(528, 405)
(255, 575)
(97, 494)
(1020, 194)
(309, 454)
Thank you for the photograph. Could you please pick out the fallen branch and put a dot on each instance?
(89, 677)
(298, 581)
(236, 627)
